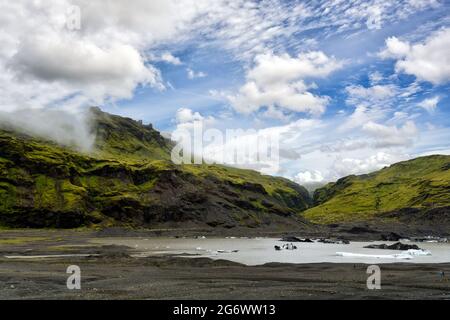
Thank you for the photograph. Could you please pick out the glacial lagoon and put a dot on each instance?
(258, 251)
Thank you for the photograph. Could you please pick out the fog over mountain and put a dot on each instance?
(68, 128)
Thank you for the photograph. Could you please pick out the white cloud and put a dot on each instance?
(114, 71)
(359, 94)
(185, 118)
(375, 17)
(347, 166)
(422, 3)
(271, 69)
(44, 64)
(274, 113)
(106, 59)
(360, 115)
(248, 28)
(410, 91)
(395, 49)
(184, 115)
(193, 75)
(391, 136)
(277, 81)
(111, 56)
(428, 61)
(371, 104)
(430, 104)
(166, 57)
(141, 24)
(308, 154)
(308, 177)
(63, 127)
(375, 77)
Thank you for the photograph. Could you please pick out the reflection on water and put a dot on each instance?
(261, 250)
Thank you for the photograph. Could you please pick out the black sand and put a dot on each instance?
(113, 274)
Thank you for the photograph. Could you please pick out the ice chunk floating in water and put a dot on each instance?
(407, 255)
(376, 256)
(419, 252)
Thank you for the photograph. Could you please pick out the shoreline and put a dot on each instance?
(110, 272)
(352, 232)
(203, 278)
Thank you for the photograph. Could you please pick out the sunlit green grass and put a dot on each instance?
(419, 183)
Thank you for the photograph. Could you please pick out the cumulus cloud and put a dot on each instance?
(185, 118)
(113, 72)
(166, 57)
(141, 23)
(99, 62)
(348, 166)
(185, 115)
(395, 49)
(278, 81)
(428, 61)
(43, 65)
(115, 39)
(309, 177)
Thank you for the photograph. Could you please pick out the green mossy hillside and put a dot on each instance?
(129, 181)
(125, 139)
(422, 183)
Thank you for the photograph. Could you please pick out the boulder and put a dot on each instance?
(295, 239)
(395, 246)
(329, 241)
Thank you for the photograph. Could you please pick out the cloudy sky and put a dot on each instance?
(349, 86)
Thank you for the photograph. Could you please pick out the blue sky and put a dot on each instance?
(350, 86)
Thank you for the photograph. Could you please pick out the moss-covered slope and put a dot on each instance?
(129, 180)
(120, 138)
(422, 183)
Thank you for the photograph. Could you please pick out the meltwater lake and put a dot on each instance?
(257, 251)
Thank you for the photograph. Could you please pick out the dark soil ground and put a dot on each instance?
(110, 273)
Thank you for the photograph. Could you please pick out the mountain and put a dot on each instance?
(129, 180)
(120, 138)
(418, 188)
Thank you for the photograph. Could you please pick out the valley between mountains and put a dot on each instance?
(128, 181)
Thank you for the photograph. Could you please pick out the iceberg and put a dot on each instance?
(420, 252)
(375, 256)
(406, 255)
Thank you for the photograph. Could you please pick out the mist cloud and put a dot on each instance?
(71, 129)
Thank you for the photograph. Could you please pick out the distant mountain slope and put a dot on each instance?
(422, 183)
(129, 180)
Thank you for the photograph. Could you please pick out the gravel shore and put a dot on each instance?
(109, 272)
